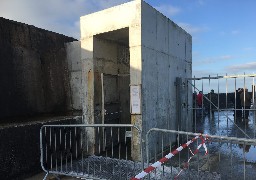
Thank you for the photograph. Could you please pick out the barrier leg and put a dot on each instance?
(45, 176)
(56, 176)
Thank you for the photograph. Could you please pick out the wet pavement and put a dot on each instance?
(231, 160)
(224, 124)
(40, 176)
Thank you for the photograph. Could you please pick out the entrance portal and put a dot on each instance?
(112, 67)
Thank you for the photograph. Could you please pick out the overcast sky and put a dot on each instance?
(223, 31)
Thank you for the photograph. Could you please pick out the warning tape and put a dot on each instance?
(193, 154)
(167, 157)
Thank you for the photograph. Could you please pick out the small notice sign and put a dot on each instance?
(135, 99)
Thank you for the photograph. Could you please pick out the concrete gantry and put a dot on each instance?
(131, 56)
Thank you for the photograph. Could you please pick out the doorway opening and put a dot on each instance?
(112, 80)
(111, 62)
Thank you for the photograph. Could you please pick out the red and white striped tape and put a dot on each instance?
(193, 154)
(164, 159)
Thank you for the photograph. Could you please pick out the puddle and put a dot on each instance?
(233, 160)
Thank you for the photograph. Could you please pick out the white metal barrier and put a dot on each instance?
(198, 156)
(222, 94)
(94, 151)
(103, 151)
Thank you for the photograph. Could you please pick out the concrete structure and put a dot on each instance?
(20, 146)
(158, 53)
(129, 68)
(40, 84)
(34, 72)
(73, 50)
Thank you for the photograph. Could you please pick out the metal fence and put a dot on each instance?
(97, 151)
(221, 97)
(106, 151)
(199, 156)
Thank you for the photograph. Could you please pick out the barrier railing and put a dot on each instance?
(104, 151)
(224, 94)
(95, 151)
(198, 156)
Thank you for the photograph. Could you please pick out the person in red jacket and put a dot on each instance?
(200, 99)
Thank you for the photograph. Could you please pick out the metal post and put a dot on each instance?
(102, 99)
(178, 103)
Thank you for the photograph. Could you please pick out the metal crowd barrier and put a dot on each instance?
(222, 94)
(198, 156)
(92, 151)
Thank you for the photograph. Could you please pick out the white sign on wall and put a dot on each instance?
(135, 99)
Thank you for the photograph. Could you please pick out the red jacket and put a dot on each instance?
(199, 99)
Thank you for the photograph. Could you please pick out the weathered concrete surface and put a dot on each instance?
(103, 34)
(33, 70)
(166, 55)
(75, 73)
(160, 51)
(20, 146)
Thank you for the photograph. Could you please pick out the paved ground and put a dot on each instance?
(40, 176)
(235, 160)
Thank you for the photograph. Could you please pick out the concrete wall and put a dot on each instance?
(106, 22)
(33, 71)
(20, 147)
(102, 22)
(75, 73)
(40, 78)
(166, 55)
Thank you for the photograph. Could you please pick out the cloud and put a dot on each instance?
(226, 57)
(203, 73)
(235, 32)
(240, 68)
(214, 60)
(196, 53)
(168, 10)
(60, 16)
(249, 48)
(201, 2)
(192, 29)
